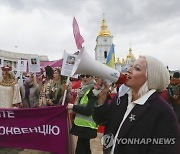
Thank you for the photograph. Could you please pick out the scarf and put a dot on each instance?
(27, 91)
(83, 89)
(56, 89)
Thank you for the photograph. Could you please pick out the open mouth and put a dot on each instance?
(128, 77)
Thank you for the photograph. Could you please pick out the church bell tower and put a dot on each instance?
(104, 41)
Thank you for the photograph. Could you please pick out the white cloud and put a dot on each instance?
(45, 27)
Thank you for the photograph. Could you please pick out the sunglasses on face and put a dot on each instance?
(83, 76)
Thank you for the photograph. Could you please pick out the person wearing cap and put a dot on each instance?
(174, 93)
(9, 90)
(139, 121)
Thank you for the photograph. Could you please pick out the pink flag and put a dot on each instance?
(78, 38)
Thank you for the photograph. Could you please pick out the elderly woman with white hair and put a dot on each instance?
(139, 121)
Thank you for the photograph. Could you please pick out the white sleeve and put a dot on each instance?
(16, 95)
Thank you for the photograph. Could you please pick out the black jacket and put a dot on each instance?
(154, 120)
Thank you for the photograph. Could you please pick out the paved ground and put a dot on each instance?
(9, 150)
(96, 148)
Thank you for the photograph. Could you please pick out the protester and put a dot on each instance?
(45, 86)
(165, 95)
(83, 126)
(9, 89)
(174, 93)
(9, 92)
(139, 121)
(57, 89)
(30, 92)
(76, 84)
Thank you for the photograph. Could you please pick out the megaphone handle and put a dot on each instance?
(65, 91)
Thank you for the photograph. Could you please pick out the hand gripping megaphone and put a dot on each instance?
(85, 64)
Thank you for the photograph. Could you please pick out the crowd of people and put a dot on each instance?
(145, 107)
(47, 90)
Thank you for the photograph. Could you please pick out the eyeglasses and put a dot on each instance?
(83, 75)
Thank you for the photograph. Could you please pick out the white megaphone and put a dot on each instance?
(84, 64)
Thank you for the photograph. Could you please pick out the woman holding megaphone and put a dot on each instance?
(139, 121)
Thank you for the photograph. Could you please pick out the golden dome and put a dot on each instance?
(118, 61)
(123, 61)
(104, 31)
(130, 55)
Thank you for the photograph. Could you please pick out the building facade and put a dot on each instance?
(104, 42)
(11, 58)
(124, 64)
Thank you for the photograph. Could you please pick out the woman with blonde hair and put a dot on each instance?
(30, 91)
(139, 121)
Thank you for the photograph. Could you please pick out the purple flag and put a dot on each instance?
(78, 38)
(38, 128)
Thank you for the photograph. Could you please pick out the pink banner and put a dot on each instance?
(55, 63)
(39, 128)
(78, 38)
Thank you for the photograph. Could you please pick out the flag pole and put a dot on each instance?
(65, 92)
(70, 145)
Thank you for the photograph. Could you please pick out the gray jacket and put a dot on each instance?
(33, 96)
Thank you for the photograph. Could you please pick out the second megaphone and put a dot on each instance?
(84, 64)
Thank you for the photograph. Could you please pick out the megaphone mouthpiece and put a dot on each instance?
(122, 79)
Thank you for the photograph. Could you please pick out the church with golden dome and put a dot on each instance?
(122, 65)
(104, 42)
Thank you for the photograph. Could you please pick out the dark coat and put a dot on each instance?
(85, 132)
(155, 119)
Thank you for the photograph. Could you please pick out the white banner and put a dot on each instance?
(34, 64)
(1, 64)
(22, 66)
(68, 64)
(1, 61)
